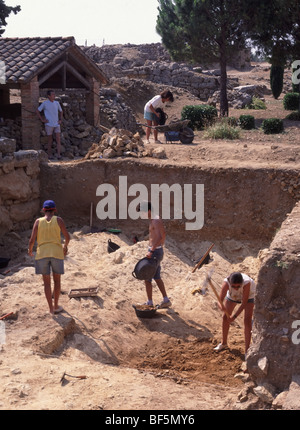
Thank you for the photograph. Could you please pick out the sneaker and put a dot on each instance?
(148, 303)
(165, 305)
(220, 347)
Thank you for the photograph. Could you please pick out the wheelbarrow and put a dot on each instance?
(175, 131)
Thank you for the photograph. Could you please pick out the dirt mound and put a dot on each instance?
(102, 338)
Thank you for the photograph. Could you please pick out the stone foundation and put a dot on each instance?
(19, 186)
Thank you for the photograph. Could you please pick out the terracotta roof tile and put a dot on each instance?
(24, 57)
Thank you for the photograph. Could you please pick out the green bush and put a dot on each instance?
(291, 101)
(222, 130)
(293, 116)
(199, 115)
(276, 80)
(247, 122)
(272, 126)
(257, 104)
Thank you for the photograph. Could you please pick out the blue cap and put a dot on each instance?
(49, 204)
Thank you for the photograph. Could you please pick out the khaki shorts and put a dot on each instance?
(49, 130)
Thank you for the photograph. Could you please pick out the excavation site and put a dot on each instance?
(99, 353)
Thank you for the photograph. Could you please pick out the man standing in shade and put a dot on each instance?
(53, 117)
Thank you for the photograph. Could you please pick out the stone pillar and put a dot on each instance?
(92, 103)
(30, 121)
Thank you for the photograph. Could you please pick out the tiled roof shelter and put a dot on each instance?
(44, 62)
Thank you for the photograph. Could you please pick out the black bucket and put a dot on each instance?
(145, 269)
(143, 312)
(111, 246)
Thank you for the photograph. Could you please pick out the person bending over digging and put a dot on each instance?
(150, 114)
(50, 252)
(157, 237)
(237, 288)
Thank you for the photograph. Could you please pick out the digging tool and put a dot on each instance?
(203, 258)
(62, 379)
(208, 280)
(5, 316)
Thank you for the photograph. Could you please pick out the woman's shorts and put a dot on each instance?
(237, 301)
(150, 116)
(44, 266)
(159, 255)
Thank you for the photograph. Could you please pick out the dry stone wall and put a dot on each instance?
(153, 63)
(19, 186)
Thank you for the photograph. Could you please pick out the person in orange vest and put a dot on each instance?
(50, 252)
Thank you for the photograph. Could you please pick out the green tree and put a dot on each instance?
(205, 32)
(5, 11)
(276, 80)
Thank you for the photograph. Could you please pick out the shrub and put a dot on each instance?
(272, 126)
(291, 101)
(223, 130)
(257, 104)
(247, 122)
(276, 80)
(293, 116)
(199, 115)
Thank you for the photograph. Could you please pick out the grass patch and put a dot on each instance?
(222, 130)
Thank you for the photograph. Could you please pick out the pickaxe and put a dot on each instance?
(208, 280)
(62, 379)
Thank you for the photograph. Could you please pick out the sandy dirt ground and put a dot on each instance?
(129, 363)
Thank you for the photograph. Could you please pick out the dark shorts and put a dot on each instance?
(43, 266)
(237, 301)
(159, 255)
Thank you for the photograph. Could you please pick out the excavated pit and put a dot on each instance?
(240, 217)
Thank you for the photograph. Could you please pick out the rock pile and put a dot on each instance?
(122, 143)
(240, 97)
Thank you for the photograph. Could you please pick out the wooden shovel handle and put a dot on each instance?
(203, 258)
(218, 297)
(5, 316)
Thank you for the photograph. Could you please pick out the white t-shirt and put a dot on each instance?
(237, 294)
(156, 102)
(51, 110)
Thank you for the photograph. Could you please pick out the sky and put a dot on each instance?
(91, 22)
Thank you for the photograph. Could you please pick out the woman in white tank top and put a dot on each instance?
(237, 288)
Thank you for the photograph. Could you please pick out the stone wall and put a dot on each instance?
(153, 63)
(19, 186)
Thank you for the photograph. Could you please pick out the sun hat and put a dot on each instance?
(49, 204)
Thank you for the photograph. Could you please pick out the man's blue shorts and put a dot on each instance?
(159, 255)
(43, 266)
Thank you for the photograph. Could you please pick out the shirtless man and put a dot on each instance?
(157, 237)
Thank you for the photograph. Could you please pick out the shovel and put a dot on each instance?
(208, 280)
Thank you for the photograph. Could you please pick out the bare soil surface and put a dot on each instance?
(130, 363)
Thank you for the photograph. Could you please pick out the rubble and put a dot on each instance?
(122, 143)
